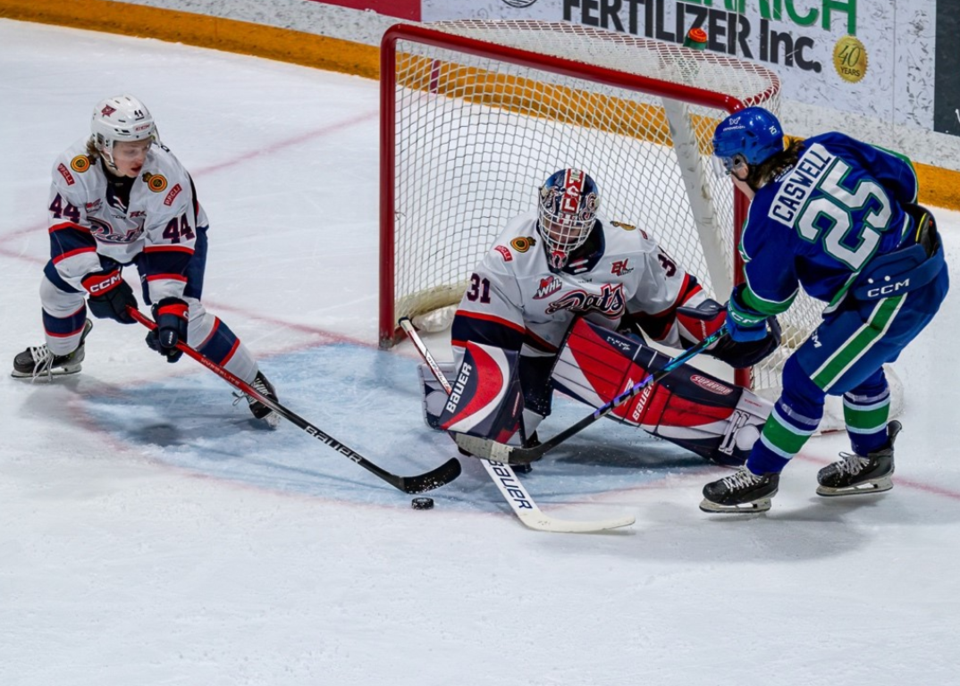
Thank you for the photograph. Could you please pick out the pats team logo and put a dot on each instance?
(609, 301)
(107, 110)
(155, 182)
(620, 268)
(80, 163)
(548, 286)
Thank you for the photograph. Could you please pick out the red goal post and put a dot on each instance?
(475, 115)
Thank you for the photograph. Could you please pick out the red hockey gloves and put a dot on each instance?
(170, 314)
(110, 296)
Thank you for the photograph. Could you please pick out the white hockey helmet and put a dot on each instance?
(121, 118)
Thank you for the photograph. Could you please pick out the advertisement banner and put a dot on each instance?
(402, 9)
(870, 58)
(946, 118)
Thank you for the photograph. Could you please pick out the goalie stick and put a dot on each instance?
(504, 477)
(486, 448)
(435, 478)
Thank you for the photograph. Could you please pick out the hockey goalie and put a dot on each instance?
(560, 302)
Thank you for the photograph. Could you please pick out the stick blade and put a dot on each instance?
(435, 478)
(540, 522)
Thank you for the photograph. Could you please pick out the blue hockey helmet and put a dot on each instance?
(753, 134)
(567, 212)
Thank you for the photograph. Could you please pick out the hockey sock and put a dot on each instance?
(866, 410)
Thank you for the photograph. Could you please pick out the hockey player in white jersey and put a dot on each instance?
(542, 311)
(119, 197)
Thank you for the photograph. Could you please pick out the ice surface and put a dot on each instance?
(150, 533)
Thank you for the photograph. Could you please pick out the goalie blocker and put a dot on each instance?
(715, 419)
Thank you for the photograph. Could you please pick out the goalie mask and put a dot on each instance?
(568, 210)
(121, 119)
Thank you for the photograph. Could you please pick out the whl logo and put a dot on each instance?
(548, 286)
(620, 268)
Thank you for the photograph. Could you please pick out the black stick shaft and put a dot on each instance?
(447, 472)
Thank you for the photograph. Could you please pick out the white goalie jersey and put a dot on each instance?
(516, 301)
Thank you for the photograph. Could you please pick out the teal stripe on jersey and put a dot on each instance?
(862, 340)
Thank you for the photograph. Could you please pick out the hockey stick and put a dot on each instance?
(503, 476)
(489, 449)
(435, 478)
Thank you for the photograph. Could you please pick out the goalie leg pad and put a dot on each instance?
(717, 420)
(486, 400)
(434, 395)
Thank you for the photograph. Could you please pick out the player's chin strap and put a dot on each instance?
(443, 474)
(491, 450)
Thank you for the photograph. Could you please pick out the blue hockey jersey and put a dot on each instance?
(820, 222)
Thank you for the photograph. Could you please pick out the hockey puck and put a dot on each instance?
(422, 503)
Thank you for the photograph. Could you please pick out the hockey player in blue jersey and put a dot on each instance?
(837, 217)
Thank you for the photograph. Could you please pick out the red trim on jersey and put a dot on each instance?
(67, 225)
(172, 277)
(213, 330)
(169, 248)
(236, 344)
(491, 318)
(65, 335)
(73, 253)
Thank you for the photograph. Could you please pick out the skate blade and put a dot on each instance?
(761, 505)
(867, 488)
(45, 376)
(272, 420)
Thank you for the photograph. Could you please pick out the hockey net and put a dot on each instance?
(476, 115)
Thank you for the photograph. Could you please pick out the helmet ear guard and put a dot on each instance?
(123, 118)
(567, 212)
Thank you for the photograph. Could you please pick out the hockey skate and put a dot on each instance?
(741, 492)
(258, 409)
(37, 362)
(858, 475)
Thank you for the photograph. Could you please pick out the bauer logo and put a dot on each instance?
(458, 388)
(519, 4)
(641, 404)
(711, 385)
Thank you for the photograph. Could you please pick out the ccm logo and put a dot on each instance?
(458, 387)
(889, 289)
(106, 284)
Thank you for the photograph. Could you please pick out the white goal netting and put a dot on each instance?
(478, 114)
